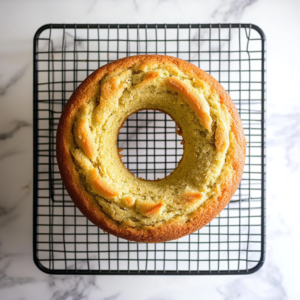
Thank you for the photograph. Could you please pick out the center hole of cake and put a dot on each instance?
(152, 147)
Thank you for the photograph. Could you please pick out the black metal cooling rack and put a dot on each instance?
(64, 241)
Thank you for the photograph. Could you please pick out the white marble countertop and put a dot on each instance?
(277, 279)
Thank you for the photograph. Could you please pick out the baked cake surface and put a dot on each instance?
(103, 188)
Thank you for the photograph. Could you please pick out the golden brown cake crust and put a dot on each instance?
(86, 202)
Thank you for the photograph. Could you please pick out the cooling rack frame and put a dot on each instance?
(53, 255)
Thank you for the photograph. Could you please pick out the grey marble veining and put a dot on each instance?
(287, 135)
(267, 285)
(231, 9)
(16, 125)
(79, 287)
(19, 277)
(12, 80)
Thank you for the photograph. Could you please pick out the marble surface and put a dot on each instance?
(278, 279)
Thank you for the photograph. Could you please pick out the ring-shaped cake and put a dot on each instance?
(150, 210)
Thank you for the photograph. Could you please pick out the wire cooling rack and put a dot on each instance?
(64, 241)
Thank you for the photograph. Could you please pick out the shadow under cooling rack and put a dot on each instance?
(65, 242)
